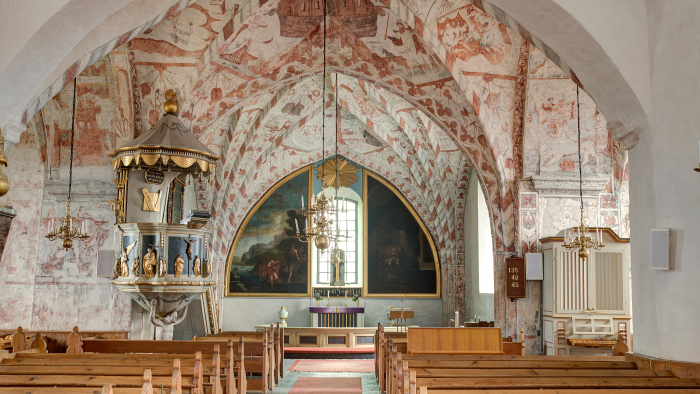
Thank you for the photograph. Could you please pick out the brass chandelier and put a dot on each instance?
(580, 238)
(65, 230)
(321, 211)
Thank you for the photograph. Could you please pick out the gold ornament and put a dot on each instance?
(179, 266)
(151, 201)
(338, 173)
(170, 105)
(4, 182)
(137, 267)
(322, 242)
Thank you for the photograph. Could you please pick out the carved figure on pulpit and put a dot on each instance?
(124, 259)
(196, 266)
(149, 262)
(179, 265)
(165, 325)
(337, 267)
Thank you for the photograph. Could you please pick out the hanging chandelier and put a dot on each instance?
(65, 230)
(318, 223)
(580, 238)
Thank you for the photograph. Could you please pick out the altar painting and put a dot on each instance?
(400, 255)
(265, 260)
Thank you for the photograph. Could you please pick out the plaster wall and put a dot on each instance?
(620, 27)
(243, 313)
(666, 190)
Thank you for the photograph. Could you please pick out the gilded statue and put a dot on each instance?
(149, 262)
(124, 258)
(179, 266)
(195, 266)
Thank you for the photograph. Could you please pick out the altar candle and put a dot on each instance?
(456, 319)
(296, 223)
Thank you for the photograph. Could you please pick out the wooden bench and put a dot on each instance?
(277, 336)
(46, 379)
(273, 340)
(128, 350)
(56, 341)
(257, 359)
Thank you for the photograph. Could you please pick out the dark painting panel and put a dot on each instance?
(400, 260)
(266, 259)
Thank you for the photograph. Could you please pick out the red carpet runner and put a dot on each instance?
(361, 366)
(309, 385)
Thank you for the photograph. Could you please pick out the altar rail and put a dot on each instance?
(329, 337)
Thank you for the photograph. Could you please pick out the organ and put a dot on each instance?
(585, 302)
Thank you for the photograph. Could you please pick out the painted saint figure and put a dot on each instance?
(165, 325)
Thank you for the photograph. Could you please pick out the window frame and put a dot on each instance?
(358, 238)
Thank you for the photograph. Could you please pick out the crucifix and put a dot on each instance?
(338, 258)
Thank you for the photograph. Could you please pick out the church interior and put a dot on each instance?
(351, 196)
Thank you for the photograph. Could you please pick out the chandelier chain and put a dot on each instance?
(580, 165)
(323, 101)
(72, 133)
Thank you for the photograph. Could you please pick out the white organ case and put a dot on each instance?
(585, 302)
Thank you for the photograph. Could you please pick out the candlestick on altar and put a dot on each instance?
(456, 319)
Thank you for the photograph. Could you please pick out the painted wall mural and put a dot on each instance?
(427, 91)
(265, 259)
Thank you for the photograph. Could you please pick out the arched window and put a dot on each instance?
(346, 222)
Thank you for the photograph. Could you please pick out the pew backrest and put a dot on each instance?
(441, 340)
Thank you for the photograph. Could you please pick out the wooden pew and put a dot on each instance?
(59, 341)
(257, 359)
(126, 353)
(275, 341)
(50, 381)
(508, 384)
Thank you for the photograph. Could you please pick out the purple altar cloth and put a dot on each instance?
(336, 309)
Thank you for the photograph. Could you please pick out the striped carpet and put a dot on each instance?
(335, 385)
(361, 366)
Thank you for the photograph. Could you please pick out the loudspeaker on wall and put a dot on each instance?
(660, 248)
(533, 266)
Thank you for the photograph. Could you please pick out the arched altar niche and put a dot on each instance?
(400, 258)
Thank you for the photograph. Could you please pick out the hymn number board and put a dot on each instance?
(515, 278)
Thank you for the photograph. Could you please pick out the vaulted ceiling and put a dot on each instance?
(427, 91)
